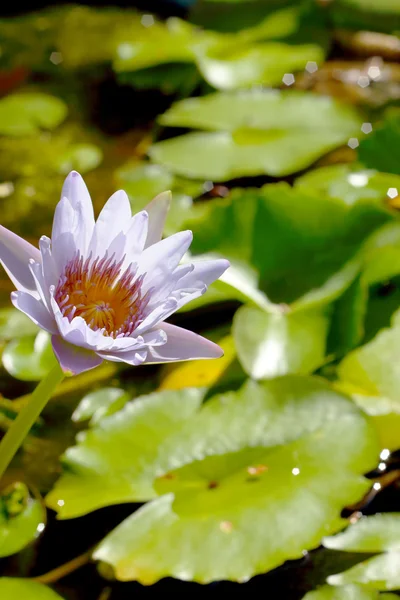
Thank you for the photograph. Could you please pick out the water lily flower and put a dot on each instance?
(104, 288)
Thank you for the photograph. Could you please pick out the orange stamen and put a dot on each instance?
(96, 292)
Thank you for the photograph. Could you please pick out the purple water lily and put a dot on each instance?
(104, 288)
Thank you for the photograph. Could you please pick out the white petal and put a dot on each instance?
(136, 236)
(205, 272)
(161, 259)
(15, 253)
(75, 190)
(160, 313)
(112, 220)
(157, 211)
(35, 310)
(63, 241)
(182, 345)
(74, 359)
(50, 274)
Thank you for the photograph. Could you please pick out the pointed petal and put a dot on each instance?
(15, 253)
(35, 310)
(157, 211)
(73, 359)
(63, 241)
(50, 273)
(161, 259)
(75, 190)
(205, 272)
(112, 220)
(136, 236)
(182, 345)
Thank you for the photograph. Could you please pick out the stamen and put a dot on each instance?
(110, 302)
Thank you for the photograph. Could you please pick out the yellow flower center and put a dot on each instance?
(96, 292)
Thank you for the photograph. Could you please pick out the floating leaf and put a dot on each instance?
(378, 150)
(14, 324)
(240, 67)
(385, 414)
(378, 533)
(99, 404)
(349, 185)
(21, 519)
(231, 470)
(373, 369)
(347, 592)
(81, 157)
(281, 342)
(260, 132)
(225, 512)
(27, 114)
(12, 588)
(347, 324)
(29, 358)
(139, 47)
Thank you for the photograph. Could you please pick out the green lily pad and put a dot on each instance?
(347, 324)
(81, 157)
(12, 588)
(29, 358)
(138, 46)
(281, 342)
(14, 324)
(347, 592)
(243, 66)
(371, 370)
(29, 113)
(376, 534)
(258, 132)
(378, 150)
(297, 255)
(229, 474)
(21, 519)
(349, 185)
(101, 403)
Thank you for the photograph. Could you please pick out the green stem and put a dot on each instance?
(27, 417)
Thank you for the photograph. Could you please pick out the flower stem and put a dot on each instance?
(65, 569)
(27, 417)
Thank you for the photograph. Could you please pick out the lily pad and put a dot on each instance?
(376, 534)
(101, 403)
(81, 157)
(350, 185)
(243, 66)
(378, 150)
(253, 133)
(371, 369)
(29, 358)
(21, 519)
(229, 474)
(280, 342)
(16, 589)
(14, 324)
(29, 113)
(347, 592)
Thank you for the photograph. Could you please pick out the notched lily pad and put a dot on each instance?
(253, 133)
(229, 473)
